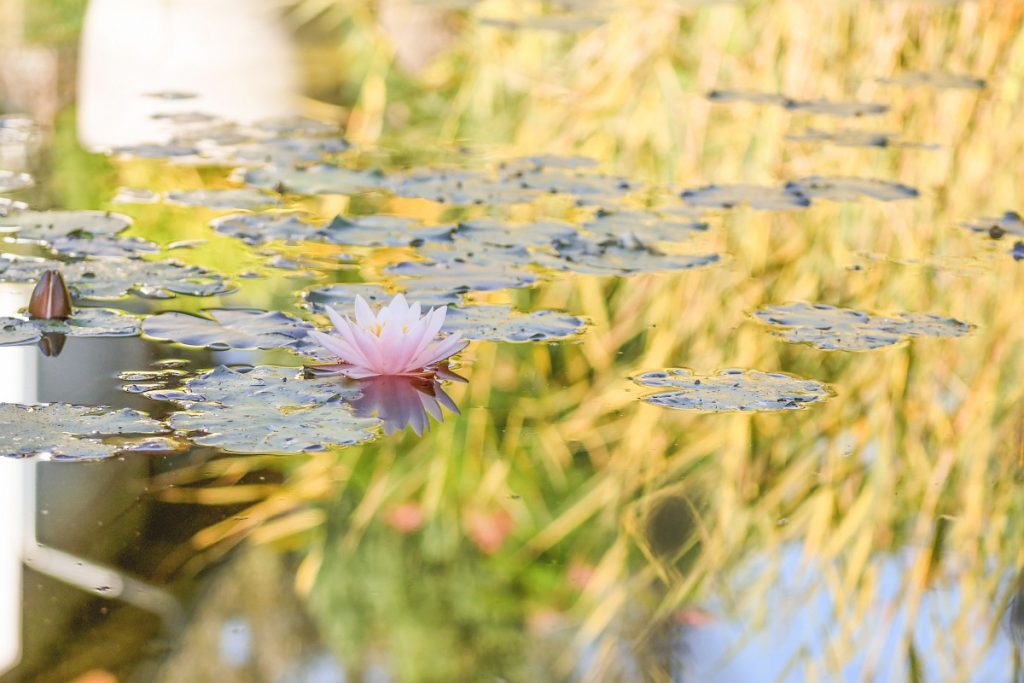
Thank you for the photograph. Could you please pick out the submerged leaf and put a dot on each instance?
(732, 390)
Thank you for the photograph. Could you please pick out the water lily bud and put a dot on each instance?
(50, 299)
(52, 343)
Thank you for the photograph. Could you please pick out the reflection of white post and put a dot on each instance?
(18, 365)
(234, 56)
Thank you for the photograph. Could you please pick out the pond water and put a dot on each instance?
(739, 399)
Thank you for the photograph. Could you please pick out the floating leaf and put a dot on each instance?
(135, 195)
(457, 277)
(1010, 223)
(227, 328)
(643, 226)
(270, 410)
(501, 323)
(259, 228)
(10, 181)
(17, 331)
(830, 328)
(383, 231)
(461, 187)
(749, 96)
(833, 108)
(102, 246)
(280, 152)
(846, 138)
(67, 432)
(617, 257)
(498, 233)
(295, 126)
(841, 189)
(170, 150)
(936, 79)
(229, 198)
(342, 297)
(47, 226)
(732, 390)
(755, 196)
(112, 278)
(320, 179)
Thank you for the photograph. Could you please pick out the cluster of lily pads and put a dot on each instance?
(618, 229)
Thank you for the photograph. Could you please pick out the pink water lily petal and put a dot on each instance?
(397, 340)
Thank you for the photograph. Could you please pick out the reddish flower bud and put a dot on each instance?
(50, 299)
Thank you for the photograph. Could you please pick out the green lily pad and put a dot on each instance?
(501, 323)
(113, 278)
(312, 180)
(11, 181)
(846, 189)
(732, 390)
(66, 432)
(279, 152)
(229, 198)
(271, 410)
(831, 329)
(755, 196)
(47, 226)
(461, 187)
(227, 328)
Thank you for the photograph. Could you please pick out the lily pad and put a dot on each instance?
(227, 198)
(319, 179)
(271, 410)
(102, 246)
(11, 181)
(67, 432)
(936, 79)
(755, 196)
(830, 328)
(280, 152)
(384, 231)
(838, 188)
(259, 228)
(846, 138)
(135, 195)
(618, 257)
(461, 187)
(501, 323)
(748, 96)
(643, 226)
(732, 390)
(342, 297)
(227, 328)
(1010, 223)
(84, 322)
(113, 278)
(458, 277)
(835, 108)
(170, 150)
(46, 226)
(498, 233)
(295, 126)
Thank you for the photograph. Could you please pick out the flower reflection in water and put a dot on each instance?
(401, 400)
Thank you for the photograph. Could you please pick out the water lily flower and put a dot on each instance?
(403, 401)
(397, 340)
